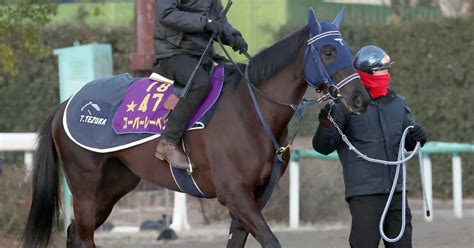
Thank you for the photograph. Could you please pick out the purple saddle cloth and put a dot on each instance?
(143, 107)
(119, 112)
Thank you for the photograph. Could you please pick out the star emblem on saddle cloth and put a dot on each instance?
(131, 106)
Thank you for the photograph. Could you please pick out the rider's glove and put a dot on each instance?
(239, 44)
(214, 26)
(234, 39)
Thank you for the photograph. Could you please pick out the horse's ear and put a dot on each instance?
(313, 23)
(338, 20)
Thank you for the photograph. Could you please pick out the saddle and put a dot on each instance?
(173, 99)
(148, 102)
(119, 112)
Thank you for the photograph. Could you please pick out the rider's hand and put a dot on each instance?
(239, 44)
(234, 39)
(417, 133)
(214, 26)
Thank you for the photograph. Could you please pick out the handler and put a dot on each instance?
(182, 31)
(377, 134)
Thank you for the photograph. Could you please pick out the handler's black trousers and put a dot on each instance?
(366, 212)
(179, 68)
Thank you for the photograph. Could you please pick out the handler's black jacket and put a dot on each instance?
(376, 133)
(179, 26)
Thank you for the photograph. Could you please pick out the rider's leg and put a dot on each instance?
(179, 68)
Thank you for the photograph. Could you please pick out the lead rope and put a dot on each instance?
(401, 160)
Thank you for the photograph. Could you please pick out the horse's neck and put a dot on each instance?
(286, 87)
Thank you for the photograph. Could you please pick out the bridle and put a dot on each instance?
(325, 77)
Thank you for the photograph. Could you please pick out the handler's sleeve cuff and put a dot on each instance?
(326, 124)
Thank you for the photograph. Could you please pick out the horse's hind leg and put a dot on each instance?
(73, 240)
(83, 178)
(117, 180)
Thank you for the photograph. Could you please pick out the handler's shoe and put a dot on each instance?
(172, 153)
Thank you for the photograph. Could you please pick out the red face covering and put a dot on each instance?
(377, 85)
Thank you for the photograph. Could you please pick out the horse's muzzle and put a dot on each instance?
(358, 103)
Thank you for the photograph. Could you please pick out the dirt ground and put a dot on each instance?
(8, 241)
(440, 233)
(444, 231)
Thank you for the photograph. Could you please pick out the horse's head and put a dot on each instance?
(328, 64)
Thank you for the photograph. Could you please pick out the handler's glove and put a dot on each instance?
(337, 113)
(417, 133)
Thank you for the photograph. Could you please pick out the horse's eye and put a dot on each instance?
(327, 53)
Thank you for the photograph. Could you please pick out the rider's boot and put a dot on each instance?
(167, 150)
(168, 147)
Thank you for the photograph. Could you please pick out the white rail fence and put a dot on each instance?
(430, 148)
(15, 142)
(19, 142)
(26, 142)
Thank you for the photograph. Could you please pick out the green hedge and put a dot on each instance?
(433, 71)
(357, 13)
(25, 100)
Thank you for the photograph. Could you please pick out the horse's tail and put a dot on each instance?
(45, 203)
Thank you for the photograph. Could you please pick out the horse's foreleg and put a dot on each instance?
(237, 235)
(244, 208)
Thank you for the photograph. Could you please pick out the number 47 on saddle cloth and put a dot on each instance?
(148, 101)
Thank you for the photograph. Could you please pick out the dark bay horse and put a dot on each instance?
(232, 156)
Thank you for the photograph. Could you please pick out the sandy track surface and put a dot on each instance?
(444, 231)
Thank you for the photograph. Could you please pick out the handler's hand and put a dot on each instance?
(418, 133)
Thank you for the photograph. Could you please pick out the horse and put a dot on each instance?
(233, 156)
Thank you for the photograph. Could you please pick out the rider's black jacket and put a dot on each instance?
(376, 133)
(179, 26)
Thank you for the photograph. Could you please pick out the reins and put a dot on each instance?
(298, 108)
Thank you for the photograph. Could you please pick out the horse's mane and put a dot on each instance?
(272, 59)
